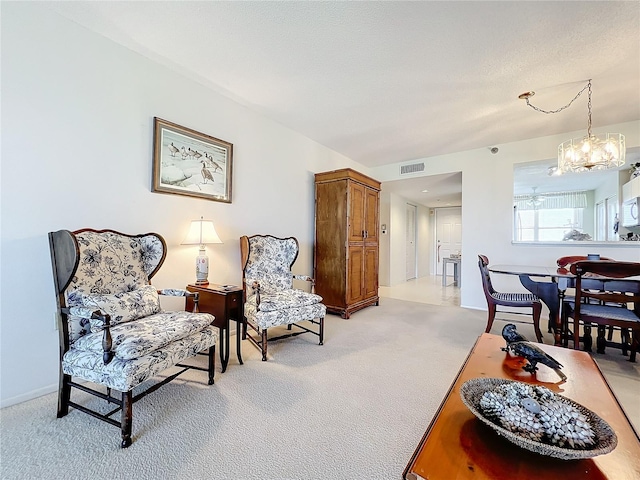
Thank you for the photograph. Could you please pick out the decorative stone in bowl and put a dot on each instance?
(535, 418)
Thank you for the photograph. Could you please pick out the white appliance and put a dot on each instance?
(630, 213)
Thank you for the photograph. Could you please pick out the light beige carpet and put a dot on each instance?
(353, 408)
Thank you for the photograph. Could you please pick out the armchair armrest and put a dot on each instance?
(179, 292)
(89, 314)
(254, 285)
(176, 292)
(307, 278)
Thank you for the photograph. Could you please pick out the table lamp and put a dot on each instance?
(200, 233)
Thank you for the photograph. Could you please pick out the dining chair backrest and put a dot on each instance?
(483, 264)
(612, 274)
(570, 259)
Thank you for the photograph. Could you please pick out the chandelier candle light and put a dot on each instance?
(592, 152)
(201, 232)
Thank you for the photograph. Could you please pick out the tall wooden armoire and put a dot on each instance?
(347, 237)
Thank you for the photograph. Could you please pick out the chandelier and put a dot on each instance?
(592, 152)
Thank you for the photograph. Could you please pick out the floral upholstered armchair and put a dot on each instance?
(270, 299)
(112, 330)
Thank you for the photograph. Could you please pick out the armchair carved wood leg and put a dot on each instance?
(264, 345)
(126, 419)
(212, 364)
(64, 395)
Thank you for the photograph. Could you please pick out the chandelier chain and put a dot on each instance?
(593, 152)
(587, 86)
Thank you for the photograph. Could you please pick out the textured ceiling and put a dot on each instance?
(387, 82)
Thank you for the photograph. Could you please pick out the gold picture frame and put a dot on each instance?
(187, 162)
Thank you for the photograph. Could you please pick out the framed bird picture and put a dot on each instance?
(186, 162)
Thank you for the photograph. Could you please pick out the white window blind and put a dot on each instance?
(550, 201)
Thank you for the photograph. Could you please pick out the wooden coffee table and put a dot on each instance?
(459, 446)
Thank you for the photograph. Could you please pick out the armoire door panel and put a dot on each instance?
(371, 215)
(355, 280)
(370, 272)
(356, 212)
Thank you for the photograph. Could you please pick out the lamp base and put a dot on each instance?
(202, 267)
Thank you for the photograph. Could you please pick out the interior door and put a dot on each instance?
(411, 241)
(448, 236)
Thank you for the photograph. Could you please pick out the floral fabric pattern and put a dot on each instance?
(110, 263)
(287, 299)
(123, 375)
(123, 307)
(174, 292)
(141, 337)
(270, 261)
(283, 317)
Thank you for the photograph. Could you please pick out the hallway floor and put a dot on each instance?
(427, 289)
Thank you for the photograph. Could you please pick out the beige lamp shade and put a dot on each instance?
(200, 233)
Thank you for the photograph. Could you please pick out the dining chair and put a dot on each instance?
(564, 264)
(616, 293)
(515, 300)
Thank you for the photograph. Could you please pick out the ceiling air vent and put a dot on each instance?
(413, 168)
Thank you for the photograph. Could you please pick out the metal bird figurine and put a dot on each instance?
(518, 345)
(510, 335)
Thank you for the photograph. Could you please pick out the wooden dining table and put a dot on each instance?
(551, 292)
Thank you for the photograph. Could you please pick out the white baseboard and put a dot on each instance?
(29, 396)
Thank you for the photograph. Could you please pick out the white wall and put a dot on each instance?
(385, 240)
(77, 117)
(398, 239)
(487, 199)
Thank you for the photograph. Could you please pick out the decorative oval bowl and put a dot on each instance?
(604, 439)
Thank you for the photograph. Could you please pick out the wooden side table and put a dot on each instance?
(224, 303)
